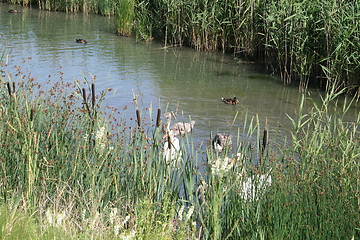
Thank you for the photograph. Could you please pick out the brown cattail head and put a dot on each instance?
(9, 88)
(84, 95)
(265, 137)
(32, 112)
(93, 94)
(138, 117)
(158, 120)
(169, 141)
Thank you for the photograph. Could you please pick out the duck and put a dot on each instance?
(172, 153)
(13, 11)
(80, 40)
(179, 128)
(219, 142)
(230, 101)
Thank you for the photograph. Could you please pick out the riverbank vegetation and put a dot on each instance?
(310, 42)
(71, 169)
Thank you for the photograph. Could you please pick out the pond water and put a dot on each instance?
(177, 79)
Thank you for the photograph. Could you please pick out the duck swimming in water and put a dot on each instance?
(13, 11)
(80, 40)
(230, 101)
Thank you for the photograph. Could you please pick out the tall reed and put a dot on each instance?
(69, 168)
(311, 42)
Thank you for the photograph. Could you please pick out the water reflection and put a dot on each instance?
(181, 80)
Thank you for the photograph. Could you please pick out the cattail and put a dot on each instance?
(138, 117)
(84, 95)
(265, 138)
(13, 90)
(93, 94)
(9, 88)
(32, 111)
(158, 120)
(169, 141)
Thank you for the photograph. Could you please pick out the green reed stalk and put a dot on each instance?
(125, 17)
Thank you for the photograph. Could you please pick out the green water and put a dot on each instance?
(184, 81)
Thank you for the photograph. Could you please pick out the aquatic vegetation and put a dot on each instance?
(310, 42)
(314, 43)
(70, 168)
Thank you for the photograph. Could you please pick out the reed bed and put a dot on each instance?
(103, 7)
(316, 43)
(311, 42)
(70, 168)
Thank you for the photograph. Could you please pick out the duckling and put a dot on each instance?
(13, 11)
(231, 101)
(179, 128)
(80, 40)
(219, 142)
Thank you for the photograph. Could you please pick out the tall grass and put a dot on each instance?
(311, 42)
(104, 7)
(300, 39)
(69, 169)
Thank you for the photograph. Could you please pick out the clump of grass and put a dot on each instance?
(125, 17)
(70, 168)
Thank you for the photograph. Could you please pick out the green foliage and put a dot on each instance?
(309, 41)
(314, 42)
(125, 17)
(69, 170)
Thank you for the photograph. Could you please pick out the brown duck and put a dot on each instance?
(230, 101)
(13, 11)
(80, 40)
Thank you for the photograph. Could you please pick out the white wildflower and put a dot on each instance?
(190, 212)
(255, 186)
(59, 218)
(221, 166)
(94, 221)
(49, 217)
(113, 215)
(126, 220)
(100, 133)
(116, 229)
(100, 139)
(129, 237)
(83, 214)
(181, 211)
